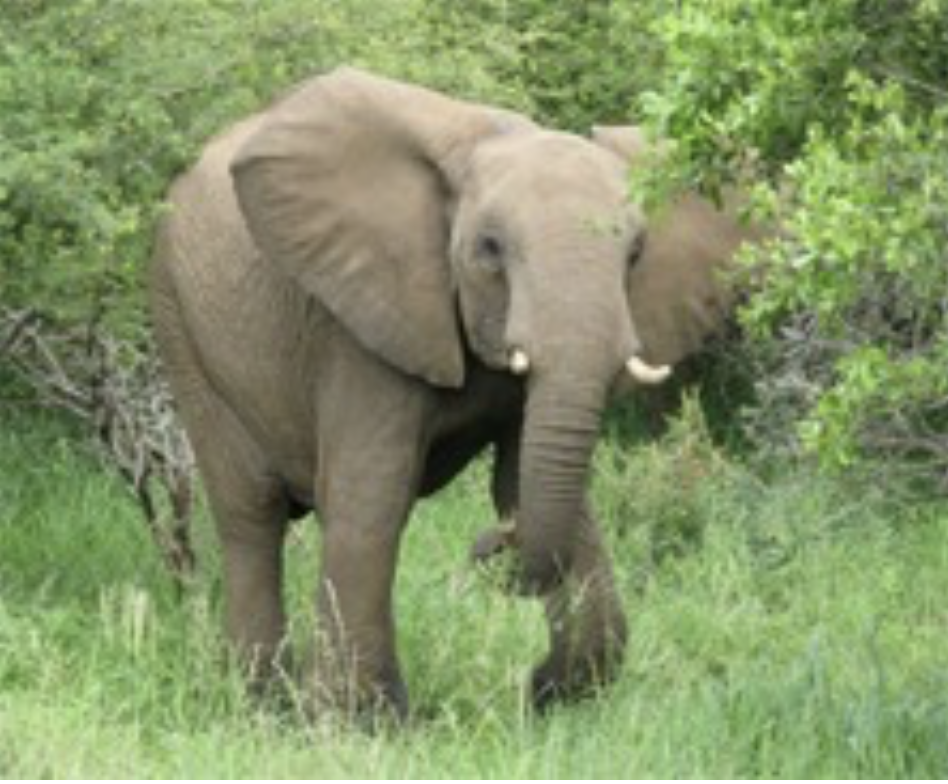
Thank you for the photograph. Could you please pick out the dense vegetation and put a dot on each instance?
(787, 614)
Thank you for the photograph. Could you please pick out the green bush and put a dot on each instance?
(101, 103)
(574, 63)
(835, 115)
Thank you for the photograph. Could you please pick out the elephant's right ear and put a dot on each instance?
(345, 186)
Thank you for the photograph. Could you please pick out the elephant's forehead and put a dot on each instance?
(551, 162)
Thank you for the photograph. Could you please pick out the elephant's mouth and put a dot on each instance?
(494, 554)
(493, 542)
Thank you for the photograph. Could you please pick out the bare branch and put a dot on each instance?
(115, 388)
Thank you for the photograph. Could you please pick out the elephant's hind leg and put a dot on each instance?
(251, 513)
(251, 525)
(247, 500)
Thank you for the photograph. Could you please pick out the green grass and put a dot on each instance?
(795, 629)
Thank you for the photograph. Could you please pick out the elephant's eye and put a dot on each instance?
(489, 252)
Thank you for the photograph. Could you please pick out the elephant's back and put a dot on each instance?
(203, 232)
(229, 297)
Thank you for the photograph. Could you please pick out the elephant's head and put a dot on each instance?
(399, 209)
(543, 241)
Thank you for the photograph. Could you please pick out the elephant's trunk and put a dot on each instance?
(560, 432)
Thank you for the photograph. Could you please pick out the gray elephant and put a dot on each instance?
(361, 288)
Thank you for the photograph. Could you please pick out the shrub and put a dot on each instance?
(573, 64)
(835, 114)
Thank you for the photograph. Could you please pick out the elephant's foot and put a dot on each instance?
(362, 688)
(493, 542)
(372, 703)
(365, 704)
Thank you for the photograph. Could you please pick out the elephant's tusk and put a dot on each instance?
(519, 362)
(644, 373)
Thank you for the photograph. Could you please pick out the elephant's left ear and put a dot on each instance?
(677, 294)
(346, 187)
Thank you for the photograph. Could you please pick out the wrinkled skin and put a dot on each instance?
(337, 293)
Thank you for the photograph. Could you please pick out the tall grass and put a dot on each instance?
(796, 628)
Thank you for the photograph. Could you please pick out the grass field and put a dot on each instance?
(791, 628)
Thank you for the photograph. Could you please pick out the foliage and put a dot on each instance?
(114, 389)
(578, 63)
(837, 112)
(101, 103)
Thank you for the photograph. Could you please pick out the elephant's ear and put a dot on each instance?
(677, 296)
(346, 187)
(677, 293)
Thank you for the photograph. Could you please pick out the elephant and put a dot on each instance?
(359, 289)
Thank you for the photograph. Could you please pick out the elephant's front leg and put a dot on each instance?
(587, 625)
(356, 666)
(367, 482)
